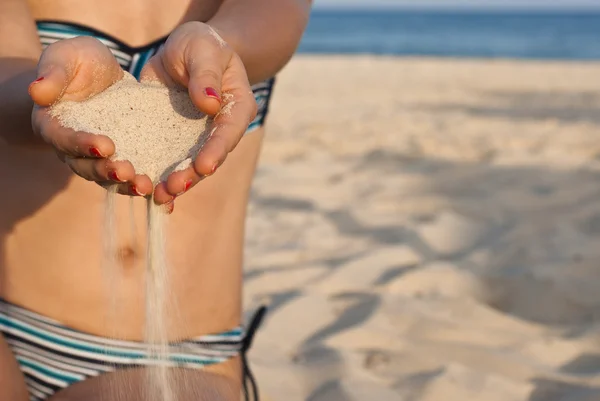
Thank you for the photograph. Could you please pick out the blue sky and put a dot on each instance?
(457, 4)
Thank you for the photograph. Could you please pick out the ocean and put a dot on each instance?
(531, 35)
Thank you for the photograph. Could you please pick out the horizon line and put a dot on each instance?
(473, 7)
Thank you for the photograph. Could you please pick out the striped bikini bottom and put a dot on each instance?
(133, 59)
(53, 357)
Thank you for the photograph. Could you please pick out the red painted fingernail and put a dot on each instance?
(113, 176)
(211, 92)
(95, 152)
(216, 166)
(33, 83)
(186, 186)
(135, 190)
(170, 207)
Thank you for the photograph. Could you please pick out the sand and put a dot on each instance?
(428, 230)
(157, 294)
(157, 129)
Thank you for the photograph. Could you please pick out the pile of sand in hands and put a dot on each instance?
(157, 129)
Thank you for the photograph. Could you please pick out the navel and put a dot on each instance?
(127, 256)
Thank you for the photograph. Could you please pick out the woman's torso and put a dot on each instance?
(51, 228)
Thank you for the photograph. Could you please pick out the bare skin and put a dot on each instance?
(51, 220)
(129, 385)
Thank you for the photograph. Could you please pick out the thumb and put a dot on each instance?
(205, 66)
(74, 69)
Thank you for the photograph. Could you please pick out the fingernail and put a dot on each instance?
(211, 92)
(135, 190)
(170, 207)
(33, 83)
(95, 152)
(113, 176)
(213, 169)
(186, 186)
(216, 166)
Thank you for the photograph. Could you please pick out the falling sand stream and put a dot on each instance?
(159, 131)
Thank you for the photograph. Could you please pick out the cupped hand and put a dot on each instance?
(75, 69)
(196, 57)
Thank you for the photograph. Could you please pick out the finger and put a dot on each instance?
(193, 61)
(205, 66)
(74, 69)
(169, 207)
(212, 155)
(182, 181)
(71, 143)
(140, 185)
(101, 169)
(161, 195)
(229, 127)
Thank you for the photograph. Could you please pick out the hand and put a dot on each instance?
(75, 69)
(196, 57)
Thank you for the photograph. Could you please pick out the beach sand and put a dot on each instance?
(428, 230)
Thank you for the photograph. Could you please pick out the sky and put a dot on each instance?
(458, 4)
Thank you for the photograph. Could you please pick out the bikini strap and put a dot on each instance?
(248, 377)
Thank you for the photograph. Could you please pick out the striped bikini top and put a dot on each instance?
(133, 59)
